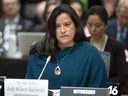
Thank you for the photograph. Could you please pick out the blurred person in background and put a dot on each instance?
(50, 5)
(97, 22)
(12, 23)
(39, 12)
(77, 5)
(118, 27)
(110, 6)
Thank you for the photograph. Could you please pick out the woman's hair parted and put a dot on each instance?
(48, 43)
(99, 11)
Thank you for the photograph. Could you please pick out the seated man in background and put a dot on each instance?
(11, 24)
(118, 27)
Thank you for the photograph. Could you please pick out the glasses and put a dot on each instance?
(123, 17)
(6, 5)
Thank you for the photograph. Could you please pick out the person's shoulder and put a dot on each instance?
(38, 25)
(26, 21)
(26, 24)
(112, 27)
(90, 51)
(2, 24)
(87, 46)
(115, 42)
(33, 55)
(2, 19)
(38, 28)
(112, 24)
(112, 21)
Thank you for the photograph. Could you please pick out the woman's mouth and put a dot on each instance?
(64, 36)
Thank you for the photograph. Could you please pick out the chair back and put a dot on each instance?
(106, 57)
(14, 69)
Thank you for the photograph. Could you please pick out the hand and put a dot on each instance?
(126, 53)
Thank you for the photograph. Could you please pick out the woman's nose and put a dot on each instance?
(62, 30)
(93, 28)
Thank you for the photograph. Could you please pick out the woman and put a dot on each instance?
(74, 61)
(77, 5)
(50, 5)
(97, 22)
(110, 6)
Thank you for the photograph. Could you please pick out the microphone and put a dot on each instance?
(48, 59)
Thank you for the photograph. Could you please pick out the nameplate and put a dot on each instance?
(25, 87)
(0, 86)
(83, 91)
(114, 89)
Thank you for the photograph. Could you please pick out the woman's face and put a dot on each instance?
(78, 8)
(49, 11)
(96, 26)
(65, 30)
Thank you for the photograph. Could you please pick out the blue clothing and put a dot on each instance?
(112, 31)
(83, 67)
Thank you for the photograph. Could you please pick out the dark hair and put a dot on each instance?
(83, 19)
(49, 42)
(100, 11)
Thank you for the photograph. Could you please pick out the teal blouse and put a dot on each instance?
(82, 67)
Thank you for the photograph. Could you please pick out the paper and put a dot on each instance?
(126, 59)
(55, 92)
(25, 87)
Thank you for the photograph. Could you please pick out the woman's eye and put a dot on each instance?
(98, 26)
(57, 26)
(67, 24)
(90, 25)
